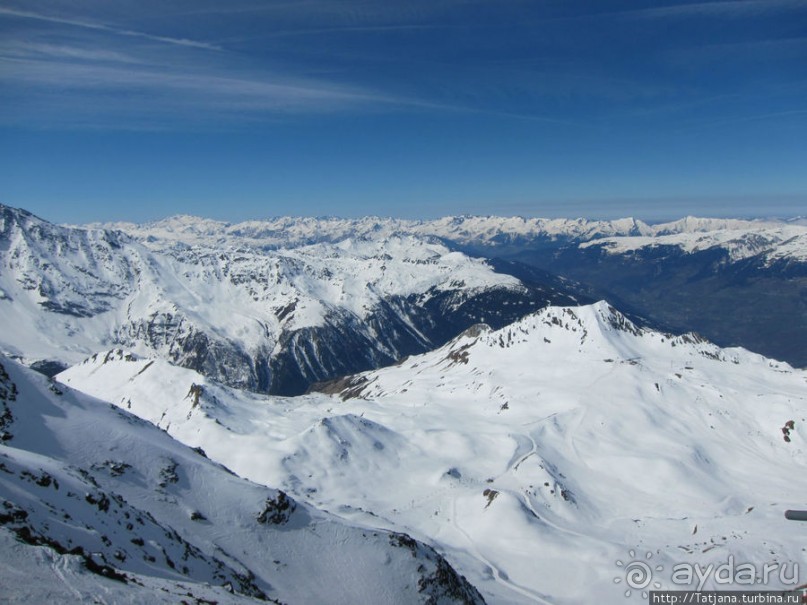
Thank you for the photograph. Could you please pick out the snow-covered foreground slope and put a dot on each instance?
(271, 321)
(537, 457)
(98, 506)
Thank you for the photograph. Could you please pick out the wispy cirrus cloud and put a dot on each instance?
(92, 25)
(22, 49)
(720, 8)
(139, 93)
(346, 11)
(88, 71)
(247, 60)
(144, 94)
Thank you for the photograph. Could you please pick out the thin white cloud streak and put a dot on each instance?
(350, 29)
(136, 86)
(757, 50)
(724, 8)
(202, 90)
(43, 79)
(107, 28)
(25, 49)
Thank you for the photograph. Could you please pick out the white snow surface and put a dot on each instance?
(541, 458)
(81, 480)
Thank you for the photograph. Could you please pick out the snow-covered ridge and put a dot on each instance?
(536, 455)
(551, 338)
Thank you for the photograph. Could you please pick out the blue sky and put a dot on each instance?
(136, 110)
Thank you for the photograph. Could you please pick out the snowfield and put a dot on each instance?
(535, 457)
(97, 505)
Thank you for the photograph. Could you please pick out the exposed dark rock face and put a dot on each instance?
(8, 394)
(440, 582)
(346, 344)
(49, 367)
(277, 510)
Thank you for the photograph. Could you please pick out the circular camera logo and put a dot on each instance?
(638, 574)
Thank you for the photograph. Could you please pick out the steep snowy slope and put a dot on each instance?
(97, 505)
(537, 456)
(268, 321)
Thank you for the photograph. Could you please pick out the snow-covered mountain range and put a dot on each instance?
(536, 457)
(681, 275)
(266, 320)
(491, 235)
